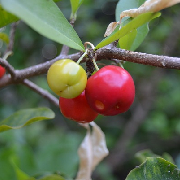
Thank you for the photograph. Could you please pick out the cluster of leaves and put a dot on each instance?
(48, 20)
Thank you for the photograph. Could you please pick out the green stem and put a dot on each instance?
(96, 66)
(80, 59)
(9, 53)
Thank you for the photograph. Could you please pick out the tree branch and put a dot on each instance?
(103, 53)
(8, 67)
(41, 91)
(138, 57)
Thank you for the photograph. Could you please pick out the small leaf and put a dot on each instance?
(142, 155)
(75, 4)
(25, 117)
(46, 18)
(155, 168)
(6, 18)
(52, 177)
(91, 152)
(4, 37)
(132, 25)
(127, 41)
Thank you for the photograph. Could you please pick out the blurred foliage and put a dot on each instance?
(51, 146)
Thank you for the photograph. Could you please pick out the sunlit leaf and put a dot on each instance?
(91, 152)
(132, 25)
(25, 117)
(6, 18)
(155, 168)
(4, 37)
(131, 42)
(127, 41)
(45, 17)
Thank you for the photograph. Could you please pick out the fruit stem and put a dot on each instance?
(86, 43)
(9, 53)
(80, 59)
(96, 66)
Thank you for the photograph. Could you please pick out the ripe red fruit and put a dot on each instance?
(2, 71)
(77, 109)
(110, 90)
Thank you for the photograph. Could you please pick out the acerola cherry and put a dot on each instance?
(77, 109)
(2, 71)
(66, 78)
(110, 90)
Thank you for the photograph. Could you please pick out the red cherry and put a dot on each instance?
(2, 71)
(77, 109)
(110, 90)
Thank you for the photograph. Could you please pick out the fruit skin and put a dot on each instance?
(2, 71)
(66, 78)
(77, 109)
(110, 91)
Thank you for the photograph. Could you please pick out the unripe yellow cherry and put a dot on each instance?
(66, 78)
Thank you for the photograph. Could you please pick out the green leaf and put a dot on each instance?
(53, 177)
(6, 18)
(75, 4)
(142, 32)
(45, 17)
(56, 0)
(25, 117)
(127, 41)
(4, 37)
(131, 26)
(142, 155)
(132, 41)
(123, 5)
(155, 168)
(19, 173)
(168, 157)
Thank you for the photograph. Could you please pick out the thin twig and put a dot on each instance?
(11, 38)
(41, 91)
(64, 50)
